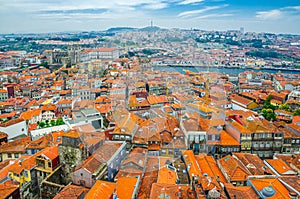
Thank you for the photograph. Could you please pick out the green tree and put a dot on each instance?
(285, 107)
(53, 122)
(45, 64)
(59, 121)
(269, 114)
(42, 124)
(267, 104)
(268, 109)
(297, 112)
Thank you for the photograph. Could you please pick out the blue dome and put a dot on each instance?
(268, 191)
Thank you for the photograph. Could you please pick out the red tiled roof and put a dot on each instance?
(12, 122)
(280, 190)
(125, 187)
(242, 192)
(101, 189)
(227, 140)
(7, 189)
(17, 146)
(71, 192)
(241, 100)
(254, 164)
(234, 168)
(280, 166)
(189, 159)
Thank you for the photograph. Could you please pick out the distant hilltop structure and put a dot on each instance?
(242, 30)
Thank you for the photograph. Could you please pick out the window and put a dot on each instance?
(9, 155)
(277, 135)
(26, 173)
(49, 164)
(16, 155)
(209, 137)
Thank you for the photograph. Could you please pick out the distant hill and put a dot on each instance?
(124, 29)
(120, 29)
(150, 28)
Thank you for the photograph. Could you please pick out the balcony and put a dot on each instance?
(262, 139)
(258, 148)
(42, 167)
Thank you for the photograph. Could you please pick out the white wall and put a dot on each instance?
(15, 130)
(35, 134)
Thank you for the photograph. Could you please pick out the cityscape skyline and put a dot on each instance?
(32, 16)
(149, 113)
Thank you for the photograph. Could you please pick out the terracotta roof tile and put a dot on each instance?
(125, 187)
(91, 164)
(7, 189)
(166, 190)
(242, 192)
(134, 164)
(270, 184)
(150, 177)
(3, 135)
(40, 143)
(101, 189)
(254, 164)
(49, 107)
(106, 151)
(12, 122)
(16, 169)
(8, 115)
(49, 152)
(189, 159)
(235, 170)
(293, 181)
(72, 134)
(240, 99)
(280, 166)
(227, 140)
(166, 176)
(209, 166)
(17, 146)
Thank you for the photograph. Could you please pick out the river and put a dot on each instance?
(220, 70)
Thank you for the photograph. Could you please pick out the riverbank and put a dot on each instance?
(225, 70)
(228, 67)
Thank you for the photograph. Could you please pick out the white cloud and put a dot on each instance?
(271, 14)
(37, 5)
(213, 16)
(296, 8)
(194, 13)
(278, 13)
(156, 6)
(186, 2)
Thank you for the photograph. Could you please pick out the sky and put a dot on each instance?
(37, 16)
